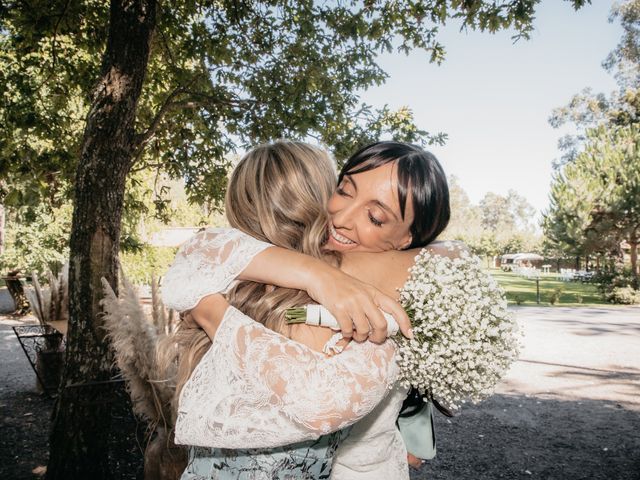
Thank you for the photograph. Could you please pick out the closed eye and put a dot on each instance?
(374, 220)
(342, 192)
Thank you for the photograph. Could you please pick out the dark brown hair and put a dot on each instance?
(420, 177)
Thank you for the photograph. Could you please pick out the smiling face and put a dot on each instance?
(365, 213)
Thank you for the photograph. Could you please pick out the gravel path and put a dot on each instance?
(24, 413)
(569, 409)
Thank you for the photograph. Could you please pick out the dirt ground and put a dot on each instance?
(569, 409)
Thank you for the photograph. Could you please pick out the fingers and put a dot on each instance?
(346, 324)
(341, 345)
(414, 461)
(352, 319)
(361, 325)
(392, 307)
(378, 324)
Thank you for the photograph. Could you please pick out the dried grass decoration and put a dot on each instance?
(137, 340)
(50, 303)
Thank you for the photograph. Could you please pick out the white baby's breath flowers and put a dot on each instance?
(465, 339)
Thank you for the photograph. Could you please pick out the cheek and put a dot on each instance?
(382, 239)
(333, 205)
(372, 237)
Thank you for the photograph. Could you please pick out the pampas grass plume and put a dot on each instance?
(133, 339)
(144, 351)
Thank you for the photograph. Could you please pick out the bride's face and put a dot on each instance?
(365, 213)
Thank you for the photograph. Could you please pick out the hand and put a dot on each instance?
(414, 461)
(356, 306)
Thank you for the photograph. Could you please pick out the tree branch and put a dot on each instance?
(166, 107)
(55, 34)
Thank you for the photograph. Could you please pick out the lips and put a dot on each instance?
(339, 238)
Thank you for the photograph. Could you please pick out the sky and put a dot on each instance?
(493, 97)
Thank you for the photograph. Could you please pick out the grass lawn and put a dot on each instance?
(516, 285)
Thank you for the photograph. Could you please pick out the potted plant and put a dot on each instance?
(15, 281)
(49, 304)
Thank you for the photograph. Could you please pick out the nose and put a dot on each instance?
(344, 215)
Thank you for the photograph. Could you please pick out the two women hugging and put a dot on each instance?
(261, 397)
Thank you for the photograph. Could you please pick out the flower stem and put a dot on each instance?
(296, 315)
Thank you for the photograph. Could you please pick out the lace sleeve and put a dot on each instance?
(207, 263)
(257, 389)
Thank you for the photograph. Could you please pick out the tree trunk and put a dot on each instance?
(78, 442)
(634, 257)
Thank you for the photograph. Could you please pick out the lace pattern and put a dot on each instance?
(208, 263)
(257, 389)
(374, 448)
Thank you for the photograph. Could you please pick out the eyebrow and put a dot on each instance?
(382, 205)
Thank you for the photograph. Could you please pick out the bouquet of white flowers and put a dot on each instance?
(464, 338)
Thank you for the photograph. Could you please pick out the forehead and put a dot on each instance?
(381, 184)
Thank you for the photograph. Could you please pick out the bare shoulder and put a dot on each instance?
(448, 248)
(386, 271)
(392, 260)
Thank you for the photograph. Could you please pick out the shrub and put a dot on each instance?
(139, 266)
(624, 296)
(38, 241)
(555, 296)
(622, 282)
(519, 300)
(579, 298)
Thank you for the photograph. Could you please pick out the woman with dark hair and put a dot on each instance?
(392, 198)
(420, 179)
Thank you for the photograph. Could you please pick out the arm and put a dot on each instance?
(257, 389)
(210, 261)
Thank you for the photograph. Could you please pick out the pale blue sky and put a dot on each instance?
(493, 97)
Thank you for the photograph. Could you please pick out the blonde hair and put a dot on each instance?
(277, 193)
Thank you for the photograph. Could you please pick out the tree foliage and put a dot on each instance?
(595, 200)
(497, 225)
(582, 218)
(587, 109)
(174, 87)
(222, 75)
(38, 240)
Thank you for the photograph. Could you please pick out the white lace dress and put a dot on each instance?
(257, 389)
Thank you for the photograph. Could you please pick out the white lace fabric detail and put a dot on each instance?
(255, 388)
(207, 263)
(374, 447)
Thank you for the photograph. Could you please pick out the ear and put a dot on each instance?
(406, 241)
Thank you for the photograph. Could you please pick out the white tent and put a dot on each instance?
(524, 257)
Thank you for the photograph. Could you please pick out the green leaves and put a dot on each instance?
(596, 198)
(621, 107)
(222, 75)
(38, 239)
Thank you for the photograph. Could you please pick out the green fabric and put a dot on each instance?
(418, 433)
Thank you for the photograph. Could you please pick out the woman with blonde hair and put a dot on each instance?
(252, 388)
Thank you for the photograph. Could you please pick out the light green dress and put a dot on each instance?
(309, 460)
